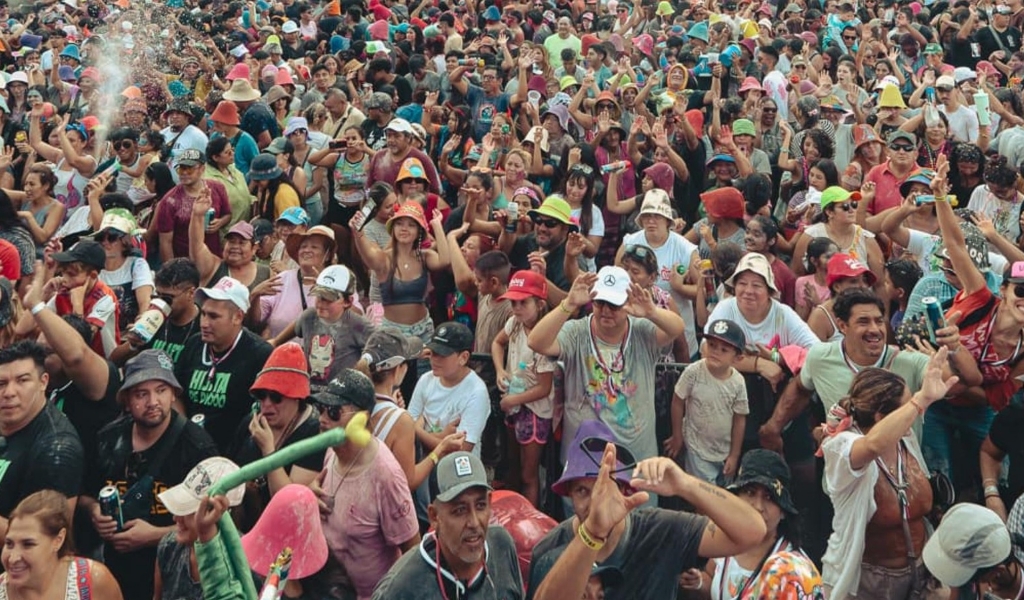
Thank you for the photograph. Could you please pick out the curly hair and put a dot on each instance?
(823, 142)
(999, 172)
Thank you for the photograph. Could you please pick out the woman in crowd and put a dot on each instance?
(126, 272)
(220, 167)
(40, 212)
(297, 132)
(274, 191)
(724, 223)
(74, 164)
(839, 224)
(402, 267)
(37, 557)
(283, 297)
(238, 259)
(999, 199)
(878, 482)
(762, 236)
(966, 171)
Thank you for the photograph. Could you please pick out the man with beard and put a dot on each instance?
(544, 247)
(180, 134)
(486, 101)
(385, 166)
(174, 212)
(145, 452)
(463, 557)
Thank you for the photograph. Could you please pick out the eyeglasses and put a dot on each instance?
(604, 305)
(901, 148)
(848, 205)
(123, 145)
(333, 412)
(594, 446)
(549, 223)
(108, 237)
(850, 38)
(606, 106)
(261, 395)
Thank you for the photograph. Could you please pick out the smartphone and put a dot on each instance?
(338, 144)
(367, 210)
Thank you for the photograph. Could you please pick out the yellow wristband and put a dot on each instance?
(588, 540)
(561, 305)
(433, 456)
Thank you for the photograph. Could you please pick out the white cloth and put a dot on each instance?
(441, 405)
(963, 123)
(781, 320)
(676, 251)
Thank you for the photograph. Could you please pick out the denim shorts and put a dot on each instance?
(424, 329)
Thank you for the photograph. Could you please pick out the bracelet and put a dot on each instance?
(920, 409)
(38, 308)
(775, 355)
(433, 456)
(590, 541)
(756, 358)
(988, 482)
(991, 490)
(561, 305)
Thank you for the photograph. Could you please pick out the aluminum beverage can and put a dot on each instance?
(199, 419)
(935, 319)
(110, 504)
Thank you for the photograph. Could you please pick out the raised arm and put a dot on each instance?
(543, 339)
(953, 236)
(198, 251)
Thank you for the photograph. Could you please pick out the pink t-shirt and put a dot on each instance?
(801, 301)
(283, 308)
(373, 513)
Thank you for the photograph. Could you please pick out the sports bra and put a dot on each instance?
(398, 291)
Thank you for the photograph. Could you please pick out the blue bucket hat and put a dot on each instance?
(264, 167)
(699, 31)
(71, 51)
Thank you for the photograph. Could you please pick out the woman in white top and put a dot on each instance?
(839, 211)
(998, 199)
(870, 454)
(126, 271)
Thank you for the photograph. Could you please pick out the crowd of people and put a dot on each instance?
(729, 293)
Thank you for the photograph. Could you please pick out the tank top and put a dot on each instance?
(390, 413)
(263, 273)
(38, 216)
(858, 248)
(399, 291)
(349, 181)
(70, 188)
(78, 584)
(836, 334)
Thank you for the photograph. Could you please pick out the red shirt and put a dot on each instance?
(975, 338)
(10, 261)
(100, 310)
(887, 188)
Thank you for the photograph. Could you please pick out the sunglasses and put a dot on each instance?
(769, 110)
(641, 252)
(261, 395)
(607, 305)
(850, 38)
(549, 223)
(594, 447)
(333, 412)
(170, 298)
(901, 147)
(605, 106)
(847, 205)
(1018, 290)
(108, 237)
(582, 168)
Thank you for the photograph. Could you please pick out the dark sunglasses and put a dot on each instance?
(108, 237)
(901, 147)
(605, 106)
(594, 446)
(549, 223)
(850, 38)
(261, 395)
(123, 145)
(641, 252)
(607, 305)
(333, 412)
(1018, 290)
(170, 298)
(769, 110)
(848, 205)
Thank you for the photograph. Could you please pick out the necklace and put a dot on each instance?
(355, 461)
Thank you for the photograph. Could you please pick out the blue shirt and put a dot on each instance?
(483, 109)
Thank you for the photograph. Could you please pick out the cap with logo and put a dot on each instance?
(296, 215)
(526, 284)
(977, 249)
(149, 365)
(612, 285)
(183, 499)
(349, 387)
(970, 537)
(189, 157)
(456, 473)
(228, 289)
(333, 282)
(728, 332)
(387, 348)
(844, 266)
(450, 338)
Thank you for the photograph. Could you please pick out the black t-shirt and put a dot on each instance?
(118, 465)
(655, 548)
(171, 338)
(1010, 38)
(224, 398)
(374, 135)
(1005, 435)
(964, 53)
(520, 259)
(89, 415)
(45, 455)
(244, 451)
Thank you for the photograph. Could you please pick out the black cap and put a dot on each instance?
(451, 337)
(728, 332)
(349, 387)
(87, 252)
(261, 228)
(769, 470)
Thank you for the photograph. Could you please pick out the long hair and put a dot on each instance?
(9, 218)
(576, 174)
(160, 173)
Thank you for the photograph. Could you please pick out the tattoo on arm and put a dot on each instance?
(712, 529)
(714, 491)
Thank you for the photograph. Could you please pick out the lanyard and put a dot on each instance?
(619, 360)
(302, 291)
(781, 543)
(213, 361)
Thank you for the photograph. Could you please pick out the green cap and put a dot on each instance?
(933, 49)
(835, 194)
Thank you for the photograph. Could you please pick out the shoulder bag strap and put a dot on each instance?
(999, 40)
(173, 433)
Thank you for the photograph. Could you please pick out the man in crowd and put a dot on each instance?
(176, 283)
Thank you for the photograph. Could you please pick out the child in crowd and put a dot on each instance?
(812, 289)
(528, 406)
(710, 405)
(462, 307)
(483, 282)
(901, 275)
(642, 266)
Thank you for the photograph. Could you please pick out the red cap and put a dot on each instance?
(526, 284)
(842, 266)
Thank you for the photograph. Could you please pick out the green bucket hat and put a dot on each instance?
(557, 209)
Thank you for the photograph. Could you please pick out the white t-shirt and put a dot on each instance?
(596, 228)
(441, 405)
(922, 245)
(677, 250)
(781, 320)
(710, 405)
(963, 123)
(1005, 215)
(191, 137)
(853, 496)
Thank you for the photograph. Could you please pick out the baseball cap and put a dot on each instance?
(583, 458)
(243, 229)
(86, 252)
(456, 473)
(977, 249)
(296, 215)
(769, 470)
(729, 332)
(754, 263)
(184, 498)
(261, 228)
(844, 266)
(835, 194)
(449, 338)
(378, 100)
(945, 81)
(387, 348)
(333, 282)
(349, 387)
(526, 284)
(901, 135)
(970, 537)
(149, 365)
(289, 27)
(189, 157)
(227, 288)
(1015, 274)
(962, 74)
(933, 49)
(612, 285)
(399, 126)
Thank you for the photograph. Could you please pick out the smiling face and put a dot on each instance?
(405, 230)
(29, 553)
(755, 238)
(312, 252)
(753, 295)
(865, 329)
(237, 250)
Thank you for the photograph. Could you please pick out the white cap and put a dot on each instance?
(229, 289)
(337, 279)
(399, 125)
(961, 74)
(239, 51)
(612, 285)
(183, 499)
(289, 27)
(970, 537)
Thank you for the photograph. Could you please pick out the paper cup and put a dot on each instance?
(534, 97)
(981, 107)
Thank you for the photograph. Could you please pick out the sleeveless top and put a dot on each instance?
(79, 581)
(38, 216)
(70, 188)
(858, 248)
(836, 334)
(399, 291)
(390, 412)
(263, 273)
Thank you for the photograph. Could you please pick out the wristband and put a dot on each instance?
(991, 491)
(592, 542)
(561, 305)
(38, 308)
(920, 409)
(433, 456)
